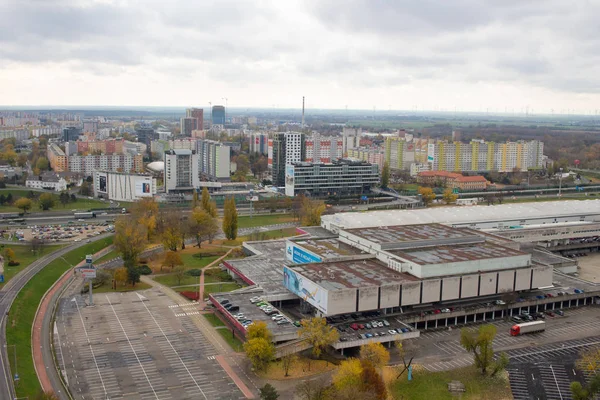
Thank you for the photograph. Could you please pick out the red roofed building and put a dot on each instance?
(452, 180)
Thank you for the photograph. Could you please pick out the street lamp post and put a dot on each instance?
(560, 182)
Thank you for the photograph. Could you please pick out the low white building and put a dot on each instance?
(48, 181)
(119, 186)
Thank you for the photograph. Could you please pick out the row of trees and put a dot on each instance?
(146, 223)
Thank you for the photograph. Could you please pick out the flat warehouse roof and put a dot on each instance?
(328, 248)
(451, 254)
(463, 214)
(409, 233)
(350, 274)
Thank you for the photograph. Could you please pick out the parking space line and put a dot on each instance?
(90, 345)
(142, 298)
(131, 346)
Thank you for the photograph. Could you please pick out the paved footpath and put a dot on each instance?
(36, 334)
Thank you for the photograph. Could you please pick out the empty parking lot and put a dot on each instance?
(137, 346)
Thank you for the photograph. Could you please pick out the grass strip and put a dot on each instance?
(22, 314)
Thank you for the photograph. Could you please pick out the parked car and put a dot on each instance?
(560, 312)
(540, 297)
(385, 323)
(223, 302)
(550, 313)
(392, 332)
(354, 327)
(578, 291)
(500, 303)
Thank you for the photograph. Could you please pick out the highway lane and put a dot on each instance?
(7, 296)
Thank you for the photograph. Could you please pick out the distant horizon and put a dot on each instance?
(370, 112)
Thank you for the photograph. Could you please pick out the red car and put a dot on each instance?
(361, 326)
(354, 326)
(437, 311)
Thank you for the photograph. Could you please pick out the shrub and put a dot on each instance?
(144, 270)
(143, 261)
(190, 295)
(194, 272)
(13, 263)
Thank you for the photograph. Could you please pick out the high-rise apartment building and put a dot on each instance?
(146, 135)
(90, 126)
(372, 155)
(258, 143)
(475, 156)
(214, 160)
(218, 115)
(198, 114)
(286, 148)
(187, 125)
(323, 149)
(71, 133)
(181, 170)
(57, 158)
(350, 139)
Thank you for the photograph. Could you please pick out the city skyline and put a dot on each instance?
(465, 56)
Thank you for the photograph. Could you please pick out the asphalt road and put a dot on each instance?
(7, 296)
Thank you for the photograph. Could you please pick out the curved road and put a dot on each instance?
(7, 296)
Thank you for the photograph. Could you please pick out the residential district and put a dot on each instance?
(229, 254)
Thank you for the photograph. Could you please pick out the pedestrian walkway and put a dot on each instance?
(36, 335)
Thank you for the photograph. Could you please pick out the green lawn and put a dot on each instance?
(25, 257)
(263, 220)
(120, 288)
(234, 342)
(108, 256)
(80, 204)
(190, 261)
(434, 385)
(22, 313)
(171, 280)
(213, 320)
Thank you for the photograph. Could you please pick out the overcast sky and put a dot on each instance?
(431, 54)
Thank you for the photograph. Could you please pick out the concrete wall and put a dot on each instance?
(523, 279)
(341, 301)
(542, 277)
(411, 293)
(469, 286)
(451, 288)
(368, 298)
(506, 281)
(487, 283)
(431, 291)
(390, 296)
(469, 267)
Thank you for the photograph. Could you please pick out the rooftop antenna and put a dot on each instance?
(302, 112)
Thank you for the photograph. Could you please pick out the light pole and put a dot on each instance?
(560, 182)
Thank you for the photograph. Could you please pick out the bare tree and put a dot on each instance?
(407, 350)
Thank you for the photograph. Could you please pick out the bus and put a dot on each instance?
(84, 215)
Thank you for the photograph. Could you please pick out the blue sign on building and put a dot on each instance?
(300, 256)
(2, 278)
